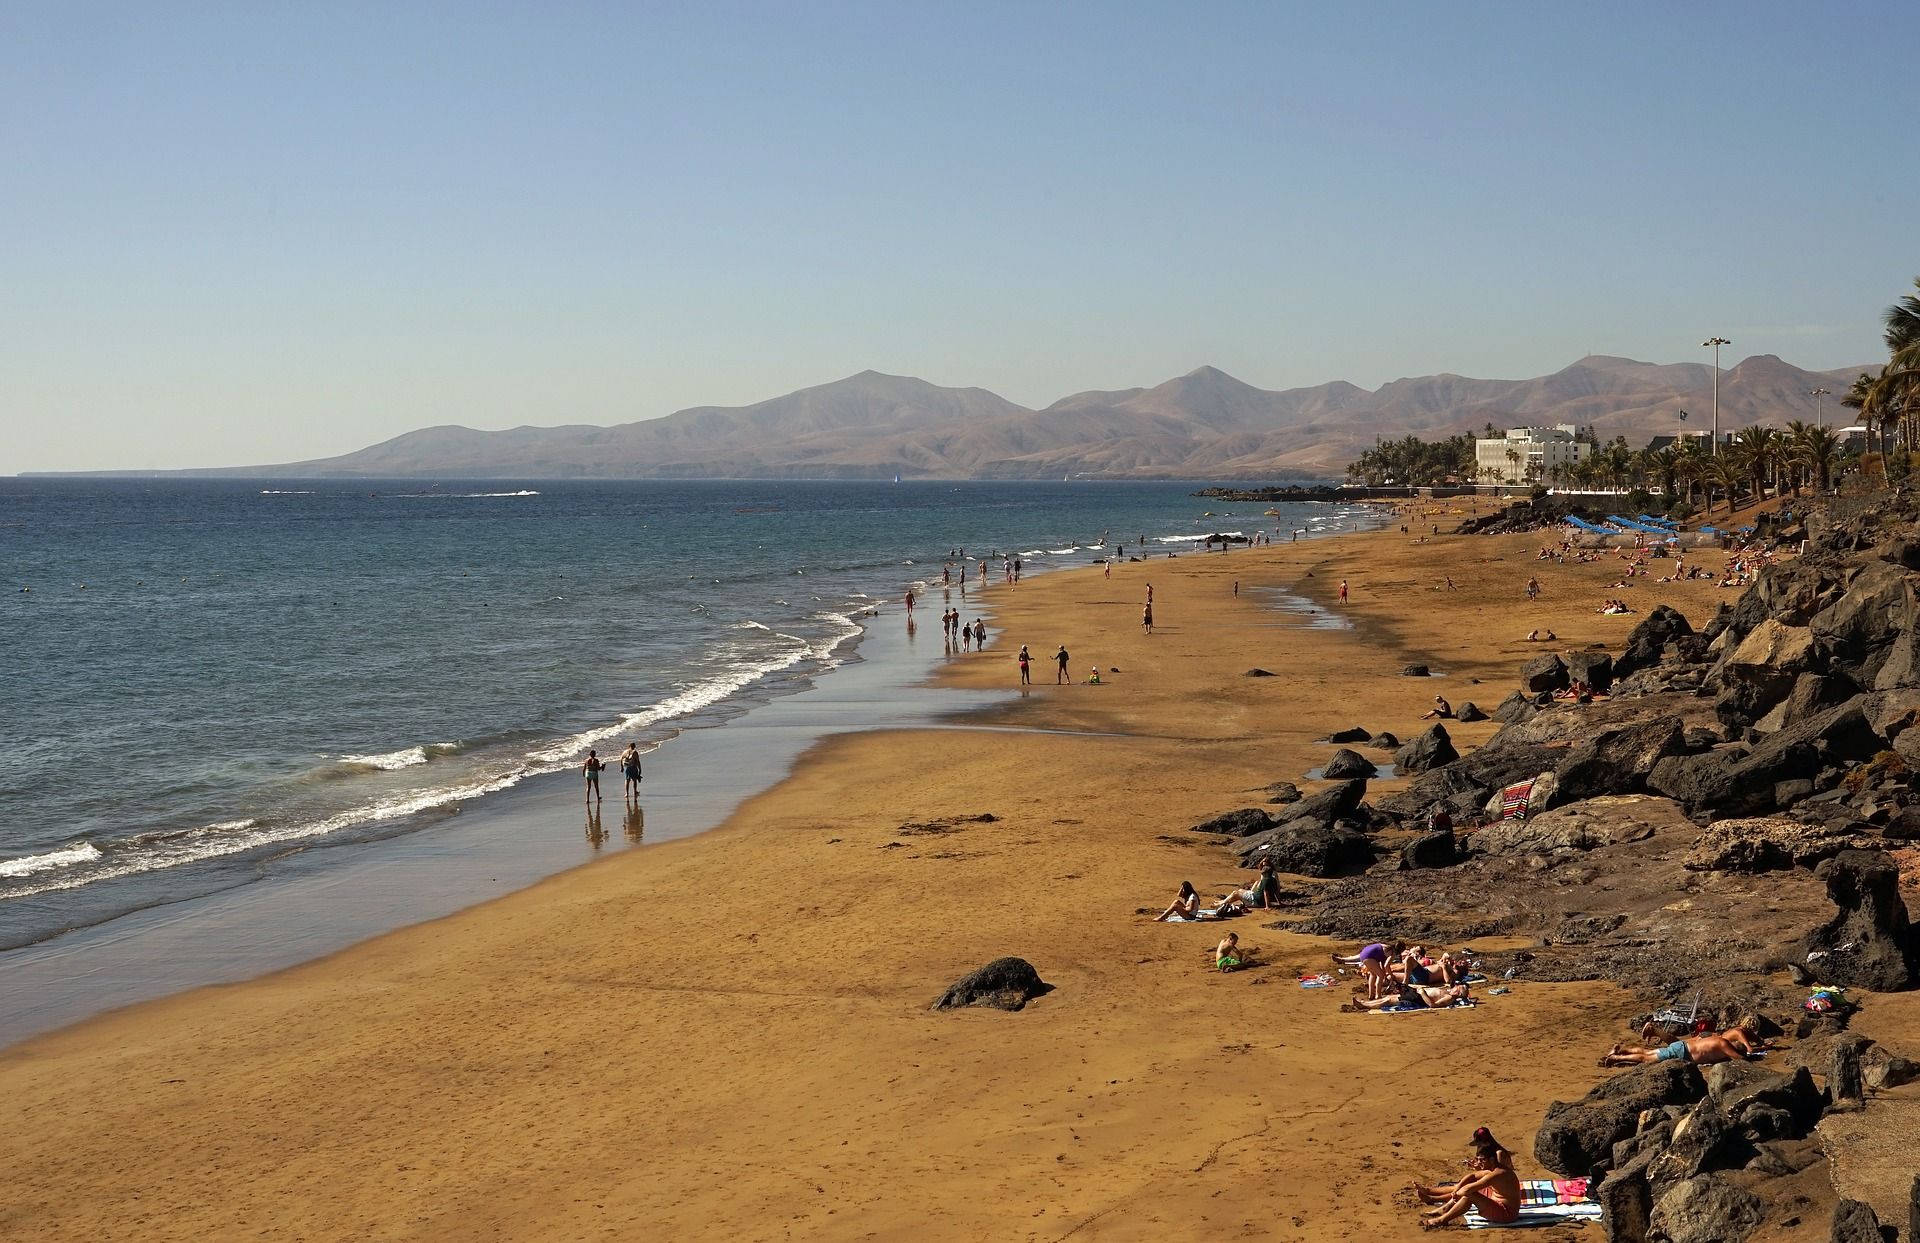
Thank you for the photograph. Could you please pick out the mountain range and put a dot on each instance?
(1205, 424)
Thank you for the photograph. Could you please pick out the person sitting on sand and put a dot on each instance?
(1441, 708)
(1702, 1050)
(1492, 1188)
(1186, 906)
(1413, 997)
(1263, 892)
(1229, 956)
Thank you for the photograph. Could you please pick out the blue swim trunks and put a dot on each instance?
(1675, 1052)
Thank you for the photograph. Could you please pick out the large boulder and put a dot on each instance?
(1574, 1138)
(1305, 848)
(1593, 668)
(1855, 1222)
(1237, 823)
(1647, 641)
(1626, 1204)
(1566, 828)
(1545, 672)
(1434, 790)
(1869, 942)
(1727, 783)
(1469, 712)
(1437, 849)
(1335, 803)
(1346, 763)
(1707, 1209)
(1810, 695)
(1515, 708)
(1429, 751)
(1351, 734)
(1004, 984)
(1618, 761)
(1858, 630)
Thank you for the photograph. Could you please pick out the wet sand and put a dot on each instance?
(728, 1036)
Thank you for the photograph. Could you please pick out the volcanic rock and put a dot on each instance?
(1430, 750)
(1868, 944)
(1004, 984)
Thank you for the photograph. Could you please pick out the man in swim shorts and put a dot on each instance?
(1702, 1050)
(591, 766)
(630, 765)
(1060, 659)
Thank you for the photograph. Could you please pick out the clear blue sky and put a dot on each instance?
(236, 233)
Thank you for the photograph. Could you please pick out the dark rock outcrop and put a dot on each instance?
(1869, 942)
(1344, 764)
(1728, 783)
(1855, 1222)
(1237, 823)
(1305, 848)
(1416, 671)
(1618, 761)
(1647, 641)
(1469, 711)
(1574, 1138)
(1384, 741)
(1545, 672)
(1429, 751)
(1593, 668)
(1352, 733)
(1004, 984)
(1437, 849)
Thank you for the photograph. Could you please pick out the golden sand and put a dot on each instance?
(728, 1037)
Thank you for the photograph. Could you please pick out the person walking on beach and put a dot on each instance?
(1026, 658)
(1146, 617)
(1236, 589)
(630, 765)
(1343, 591)
(1533, 588)
(1149, 593)
(1060, 658)
(909, 599)
(979, 635)
(591, 766)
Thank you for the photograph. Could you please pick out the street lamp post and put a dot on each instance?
(1819, 405)
(1716, 343)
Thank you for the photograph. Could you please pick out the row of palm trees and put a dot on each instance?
(1756, 460)
(1890, 401)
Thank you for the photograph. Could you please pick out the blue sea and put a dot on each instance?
(202, 677)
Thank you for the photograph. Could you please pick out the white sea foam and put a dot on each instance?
(389, 761)
(1194, 539)
(66, 856)
(1061, 552)
(277, 492)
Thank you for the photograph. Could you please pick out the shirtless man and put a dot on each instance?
(1702, 1050)
(1060, 659)
(1432, 996)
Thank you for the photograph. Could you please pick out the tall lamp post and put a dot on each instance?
(1716, 343)
(1819, 405)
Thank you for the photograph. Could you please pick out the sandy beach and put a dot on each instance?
(729, 1036)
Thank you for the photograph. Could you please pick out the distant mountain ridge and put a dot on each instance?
(1205, 424)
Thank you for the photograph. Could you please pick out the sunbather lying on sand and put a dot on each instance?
(1413, 968)
(1489, 1186)
(1411, 997)
(1702, 1050)
(1186, 906)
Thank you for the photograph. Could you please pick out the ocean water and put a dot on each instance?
(201, 677)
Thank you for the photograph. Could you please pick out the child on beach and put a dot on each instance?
(1228, 956)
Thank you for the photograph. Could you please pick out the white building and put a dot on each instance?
(1529, 454)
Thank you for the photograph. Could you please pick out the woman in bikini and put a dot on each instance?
(1489, 1186)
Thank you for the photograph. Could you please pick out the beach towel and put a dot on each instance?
(1514, 801)
(1210, 913)
(1545, 1202)
(1452, 1005)
(1316, 981)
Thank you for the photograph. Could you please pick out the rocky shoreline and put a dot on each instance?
(1723, 825)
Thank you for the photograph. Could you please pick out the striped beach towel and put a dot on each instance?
(1514, 801)
(1545, 1202)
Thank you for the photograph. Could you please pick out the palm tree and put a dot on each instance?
(1662, 465)
(1759, 449)
(1725, 472)
(1818, 449)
